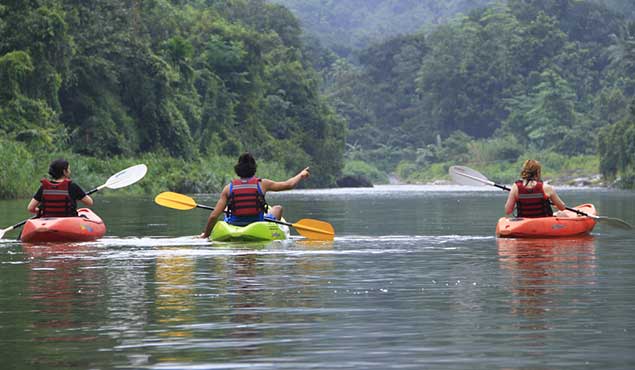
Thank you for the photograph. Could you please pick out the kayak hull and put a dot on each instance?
(86, 227)
(548, 227)
(254, 232)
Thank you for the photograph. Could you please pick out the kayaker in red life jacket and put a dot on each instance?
(243, 199)
(531, 197)
(58, 197)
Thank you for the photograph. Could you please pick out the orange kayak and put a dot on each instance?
(86, 227)
(545, 227)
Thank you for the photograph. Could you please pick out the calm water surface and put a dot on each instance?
(414, 279)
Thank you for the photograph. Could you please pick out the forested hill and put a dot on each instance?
(495, 85)
(186, 78)
(347, 25)
(199, 81)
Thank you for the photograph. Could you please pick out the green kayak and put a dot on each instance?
(256, 231)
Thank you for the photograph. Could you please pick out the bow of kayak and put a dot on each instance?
(86, 227)
(570, 224)
(256, 231)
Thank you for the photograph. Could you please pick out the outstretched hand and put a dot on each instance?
(305, 173)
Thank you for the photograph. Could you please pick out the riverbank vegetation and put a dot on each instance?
(19, 177)
(513, 80)
(186, 86)
(178, 81)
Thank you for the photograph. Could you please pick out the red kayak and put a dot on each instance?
(547, 227)
(86, 227)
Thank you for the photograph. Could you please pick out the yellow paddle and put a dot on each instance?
(307, 227)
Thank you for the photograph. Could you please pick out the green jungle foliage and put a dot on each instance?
(186, 79)
(617, 151)
(485, 155)
(187, 85)
(22, 170)
(514, 78)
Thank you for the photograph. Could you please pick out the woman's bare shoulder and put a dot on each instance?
(548, 188)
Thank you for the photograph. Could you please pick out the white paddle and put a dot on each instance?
(119, 180)
(467, 176)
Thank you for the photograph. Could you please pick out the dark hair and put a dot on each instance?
(57, 167)
(246, 166)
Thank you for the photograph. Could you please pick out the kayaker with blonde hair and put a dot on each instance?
(530, 196)
(243, 199)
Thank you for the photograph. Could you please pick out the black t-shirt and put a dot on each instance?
(74, 190)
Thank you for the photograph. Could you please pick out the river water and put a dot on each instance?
(414, 279)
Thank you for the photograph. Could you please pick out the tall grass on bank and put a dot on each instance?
(22, 170)
(364, 169)
(17, 171)
(558, 168)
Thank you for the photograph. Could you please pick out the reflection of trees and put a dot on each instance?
(543, 268)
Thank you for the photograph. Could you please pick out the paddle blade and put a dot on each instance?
(175, 201)
(467, 176)
(126, 177)
(315, 229)
(614, 222)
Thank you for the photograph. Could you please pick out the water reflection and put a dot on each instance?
(542, 270)
(175, 293)
(247, 303)
(63, 297)
(58, 285)
(314, 245)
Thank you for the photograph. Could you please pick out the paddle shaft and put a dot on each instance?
(15, 226)
(96, 189)
(204, 207)
(509, 189)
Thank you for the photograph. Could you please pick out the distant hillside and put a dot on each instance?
(354, 24)
(624, 7)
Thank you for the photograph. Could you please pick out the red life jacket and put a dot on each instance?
(56, 199)
(532, 202)
(246, 198)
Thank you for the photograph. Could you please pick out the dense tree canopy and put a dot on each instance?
(421, 82)
(548, 73)
(186, 78)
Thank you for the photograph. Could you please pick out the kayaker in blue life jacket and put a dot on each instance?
(530, 196)
(243, 199)
(58, 196)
